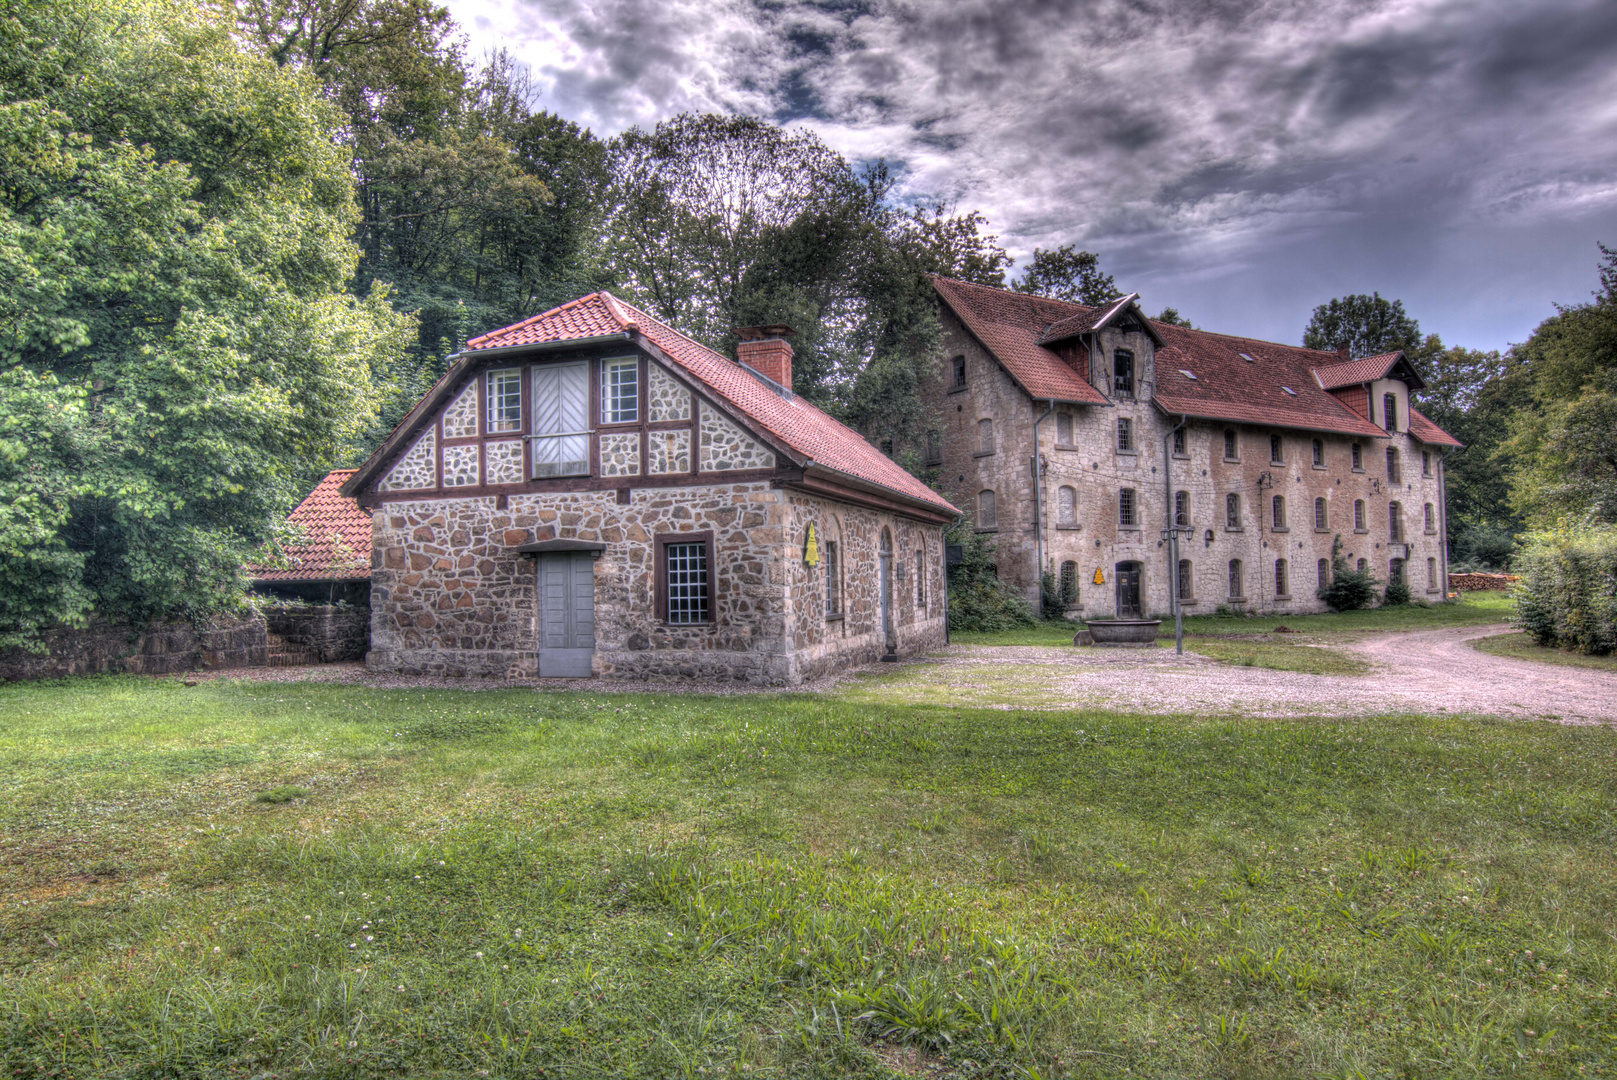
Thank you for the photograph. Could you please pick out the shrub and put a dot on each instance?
(1052, 602)
(979, 605)
(1567, 595)
(1350, 589)
(1397, 592)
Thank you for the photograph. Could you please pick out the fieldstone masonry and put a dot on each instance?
(416, 469)
(726, 448)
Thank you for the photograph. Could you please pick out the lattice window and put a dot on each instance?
(1187, 580)
(620, 390)
(1324, 570)
(1319, 513)
(1280, 511)
(1128, 508)
(504, 395)
(1277, 449)
(1236, 578)
(1358, 515)
(1282, 578)
(1063, 429)
(687, 583)
(1395, 522)
(1232, 511)
(1319, 453)
(1069, 582)
(1231, 447)
(833, 578)
(1123, 373)
(1125, 433)
(985, 436)
(1181, 508)
(1395, 472)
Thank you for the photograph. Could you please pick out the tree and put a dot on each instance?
(1563, 449)
(1065, 273)
(1367, 325)
(1172, 317)
(179, 348)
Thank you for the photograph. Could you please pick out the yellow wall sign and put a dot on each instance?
(811, 547)
(1100, 576)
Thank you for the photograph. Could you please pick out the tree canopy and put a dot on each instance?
(1065, 273)
(1367, 325)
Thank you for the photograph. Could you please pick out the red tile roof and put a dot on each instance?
(337, 537)
(1366, 369)
(1226, 385)
(808, 433)
(1422, 428)
(1010, 325)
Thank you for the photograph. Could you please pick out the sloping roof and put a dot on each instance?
(1010, 325)
(1422, 428)
(803, 430)
(1365, 369)
(337, 545)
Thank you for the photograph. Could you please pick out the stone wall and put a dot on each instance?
(159, 649)
(1094, 467)
(330, 633)
(450, 596)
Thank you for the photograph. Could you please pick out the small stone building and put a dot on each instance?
(590, 492)
(1077, 436)
(331, 563)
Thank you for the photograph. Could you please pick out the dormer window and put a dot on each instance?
(1389, 411)
(1123, 373)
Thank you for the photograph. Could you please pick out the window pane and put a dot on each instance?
(1319, 513)
(1181, 508)
(1235, 577)
(620, 391)
(1179, 441)
(1282, 579)
(687, 583)
(1123, 372)
(1275, 448)
(1125, 434)
(1358, 458)
(1125, 506)
(1229, 445)
(1184, 579)
(1280, 512)
(1319, 452)
(504, 393)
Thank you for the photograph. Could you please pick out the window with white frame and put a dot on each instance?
(561, 423)
(503, 393)
(620, 390)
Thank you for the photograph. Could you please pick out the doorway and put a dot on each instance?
(1127, 575)
(566, 614)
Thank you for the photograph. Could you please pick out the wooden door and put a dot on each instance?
(566, 614)
(1128, 590)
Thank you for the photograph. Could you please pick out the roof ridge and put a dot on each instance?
(531, 319)
(1242, 337)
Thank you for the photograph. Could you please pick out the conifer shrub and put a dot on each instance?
(1567, 595)
(1397, 593)
(977, 600)
(1350, 589)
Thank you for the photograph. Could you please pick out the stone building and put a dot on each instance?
(592, 492)
(332, 560)
(1075, 435)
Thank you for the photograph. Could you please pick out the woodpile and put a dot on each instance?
(1481, 582)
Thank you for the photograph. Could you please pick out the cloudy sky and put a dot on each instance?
(1240, 160)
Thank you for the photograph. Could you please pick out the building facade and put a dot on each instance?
(1075, 436)
(590, 492)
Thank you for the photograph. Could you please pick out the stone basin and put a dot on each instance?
(1135, 633)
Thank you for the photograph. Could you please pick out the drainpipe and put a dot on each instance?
(1038, 502)
(1173, 538)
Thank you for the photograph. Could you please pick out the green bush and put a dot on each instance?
(1350, 589)
(978, 606)
(1397, 593)
(1567, 595)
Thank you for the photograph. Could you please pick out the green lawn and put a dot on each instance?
(1519, 646)
(524, 884)
(1251, 642)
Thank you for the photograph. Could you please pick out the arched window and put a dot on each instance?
(1235, 580)
(1277, 449)
(920, 577)
(985, 510)
(1395, 475)
(1389, 411)
(1123, 373)
(1362, 565)
(1324, 573)
(1125, 433)
(1069, 582)
(831, 561)
(1232, 510)
(1280, 511)
(1282, 578)
(1063, 429)
(1181, 508)
(985, 436)
(1431, 518)
(1358, 515)
(1319, 454)
(1395, 522)
(1128, 508)
(1319, 514)
(1067, 507)
(1187, 580)
(1231, 448)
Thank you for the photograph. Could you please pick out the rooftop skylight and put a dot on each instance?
(1188, 374)
(1247, 357)
(1289, 390)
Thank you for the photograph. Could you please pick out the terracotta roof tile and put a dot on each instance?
(1422, 428)
(337, 544)
(1011, 324)
(1365, 369)
(793, 421)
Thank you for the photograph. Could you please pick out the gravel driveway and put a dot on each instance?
(1428, 671)
(1431, 671)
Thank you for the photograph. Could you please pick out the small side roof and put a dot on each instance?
(815, 440)
(1369, 369)
(1010, 326)
(337, 544)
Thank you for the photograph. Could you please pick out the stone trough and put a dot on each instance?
(1123, 633)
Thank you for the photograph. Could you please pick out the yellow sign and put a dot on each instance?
(811, 547)
(1100, 576)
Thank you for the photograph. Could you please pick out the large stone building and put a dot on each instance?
(1076, 435)
(591, 492)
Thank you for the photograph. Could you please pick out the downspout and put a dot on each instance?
(1172, 532)
(1038, 502)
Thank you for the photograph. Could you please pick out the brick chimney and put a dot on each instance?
(1344, 352)
(766, 350)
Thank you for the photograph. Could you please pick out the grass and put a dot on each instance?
(1235, 640)
(517, 883)
(1519, 646)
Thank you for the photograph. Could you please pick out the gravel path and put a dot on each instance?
(1429, 671)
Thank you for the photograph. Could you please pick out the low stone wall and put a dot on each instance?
(1480, 582)
(158, 649)
(327, 632)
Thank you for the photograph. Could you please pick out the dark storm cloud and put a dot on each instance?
(1241, 160)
